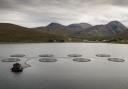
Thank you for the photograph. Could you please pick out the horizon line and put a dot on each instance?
(60, 24)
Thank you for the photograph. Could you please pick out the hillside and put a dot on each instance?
(15, 33)
(112, 32)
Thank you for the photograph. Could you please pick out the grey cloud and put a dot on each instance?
(41, 12)
(16, 3)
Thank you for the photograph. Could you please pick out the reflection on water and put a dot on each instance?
(66, 74)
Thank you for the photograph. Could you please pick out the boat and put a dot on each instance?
(17, 68)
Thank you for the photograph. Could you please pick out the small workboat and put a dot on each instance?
(17, 68)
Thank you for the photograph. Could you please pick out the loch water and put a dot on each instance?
(99, 73)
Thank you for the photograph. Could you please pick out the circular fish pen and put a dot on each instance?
(47, 60)
(74, 55)
(81, 60)
(10, 60)
(116, 60)
(46, 55)
(103, 55)
(17, 55)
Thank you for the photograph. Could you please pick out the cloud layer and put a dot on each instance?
(33, 13)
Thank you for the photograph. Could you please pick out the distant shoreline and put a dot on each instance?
(56, 42)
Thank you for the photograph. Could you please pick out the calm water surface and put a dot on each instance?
(66, 74)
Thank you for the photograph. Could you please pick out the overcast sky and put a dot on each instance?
(33, 13)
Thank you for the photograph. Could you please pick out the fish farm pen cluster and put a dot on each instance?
(45, 58)
(52, 58)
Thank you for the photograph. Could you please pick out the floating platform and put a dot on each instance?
(46, 55)
(47, 60)
(81, 60)
(116, 59)
(17, 55)
(74, 55)
(10, 60)
(103, 55)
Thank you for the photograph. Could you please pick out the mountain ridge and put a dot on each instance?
(56, 31)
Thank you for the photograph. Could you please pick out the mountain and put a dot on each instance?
(113, 31)
(110, 29)
(84, 30)
(116, 26)
(79, 26)
(15, 33)
(54, 26)
(70, 30)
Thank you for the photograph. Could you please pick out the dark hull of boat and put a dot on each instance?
(17, 70)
